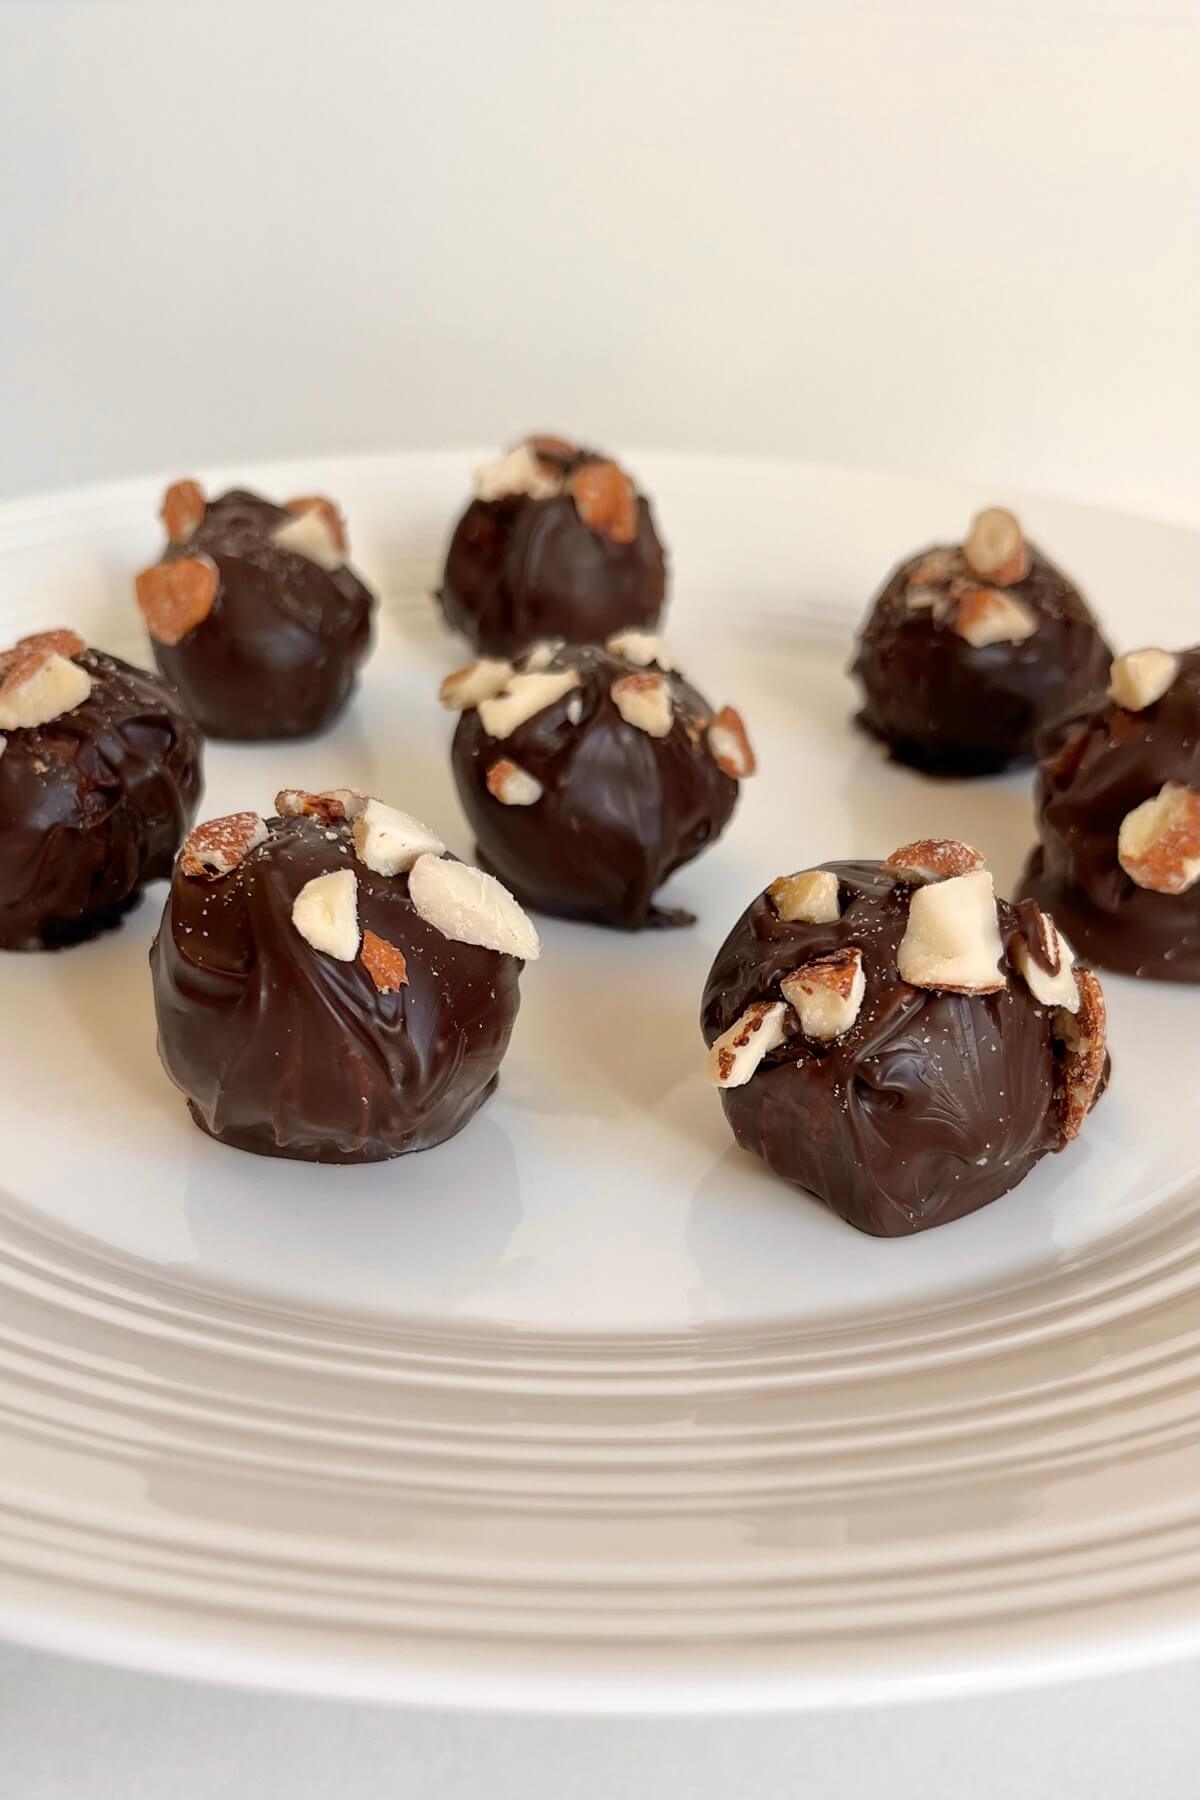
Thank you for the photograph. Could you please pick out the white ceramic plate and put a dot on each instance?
(582, 1410)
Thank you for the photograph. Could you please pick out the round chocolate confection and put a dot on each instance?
(902, 1100)
(253, 614)
(1118, 805)
(329, 985)
(968, 652)
(100, 774)
(589, 775)
(557, 543)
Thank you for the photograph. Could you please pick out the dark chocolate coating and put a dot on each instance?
(1097, 765)
(621, 810)
(519, 569)
(947, 707)
(278, 654)
(92, 806)
(932, 1105)
(285, 1051)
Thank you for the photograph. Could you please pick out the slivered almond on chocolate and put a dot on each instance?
(384, 963)
(995, 547)
(736, 1054)
(471, 907)
(542, 654)
(325, 913)
(182, 510)
(640, 647)
(1082, 1035)
(62, 643)
(932, 859)
(809, 898)
(1158, 845)
(219, 845)
(1140, 677)
(512, 785)
(389, 841)
(464, 688)
(605, 500)
(523, 698)
(37, 686)
(827, 993)
(935, 568)
(175, 597)
(729, 746)
(331, 807)
(519, 471)
(644, 701)
(315, 531)
(985, 615)
(1054, 986)
(952, 940)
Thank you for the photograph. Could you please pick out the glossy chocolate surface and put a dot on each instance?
(1097, 765)
(285, 1051)
(93, 805)
(932, 1105)
(519, 569)
(621, 809)
(278, 654)
(949, 707)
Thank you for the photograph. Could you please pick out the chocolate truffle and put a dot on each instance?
(896, 1040)
(253, 613)
(968, 651)
(556, 543)
(1118, 806)
(330, 985)
(590, 774)
(100, 774)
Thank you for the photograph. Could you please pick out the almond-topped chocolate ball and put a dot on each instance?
(590, 774)
(100, 774)
(1118, 805)
(254, 614)
(557, 543)
(969, 651)
(896, 1040)
(330, 984)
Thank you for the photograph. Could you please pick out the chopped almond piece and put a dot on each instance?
(512, 785)
(810, 898)
(331, 807)
(736, 1054)
(37, 686)
(1141, 677)
(325, 913)
(1158, 845)
(182, 510)
(952, 941)
(384, 963)
(729, 746)
(463, 689)
(827, 993)
(219, 845)
(1056, 985)
(995, 547)
(645, 702)
(606, 500)
(933, 859)
(984, 615)
(1082, 1034)
(175, 597)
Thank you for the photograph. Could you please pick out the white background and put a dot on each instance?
(943, 239)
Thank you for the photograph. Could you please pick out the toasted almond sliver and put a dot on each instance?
(736, 1054)
(985, 615)
(1083, 1034)
(1140, 677)
(1058, 985)
(175, 597)
(606, 500)
(182, 510)
(512, 785)
(729, 746)
(216, 847)
(644, 701)
(810, 898)
(827, 993)
(933, 859)
(389, 841)
(325, 913)
(385, 963)
(995, 547)
(463, 689)
(471, 907)
(952, 940)
(523, 698)
(1158, 845)
(38, 686)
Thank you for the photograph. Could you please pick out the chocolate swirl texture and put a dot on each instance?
(522, 567)
(284, 1051)
(92, 806)
(932, 1105)
(948, 706)
(1098, 764)
(619, 811)
(279, 651)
